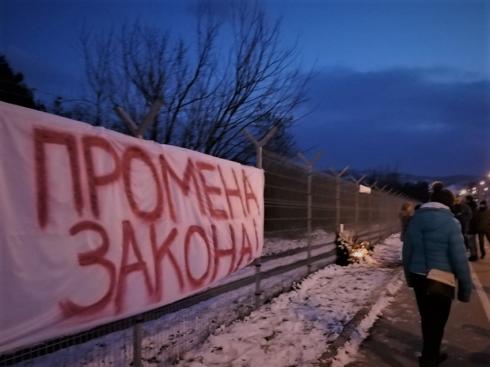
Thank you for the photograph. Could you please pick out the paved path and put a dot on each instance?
(395, 339)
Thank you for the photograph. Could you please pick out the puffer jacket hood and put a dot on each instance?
(434, 219)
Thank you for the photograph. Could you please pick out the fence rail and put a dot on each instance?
(303, 210)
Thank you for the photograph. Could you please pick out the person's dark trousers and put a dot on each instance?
(481, 242)
(473, 247)
(464, 232)
(434, 312)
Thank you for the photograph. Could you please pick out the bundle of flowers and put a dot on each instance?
(351, 251)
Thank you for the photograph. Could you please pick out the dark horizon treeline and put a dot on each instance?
(13, 88)
(391, 180)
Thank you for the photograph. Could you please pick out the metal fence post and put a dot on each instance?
(356, 208)
(309, 218)
(309, 203)
(259, 144)
(338, 177)
(137, 338)
(396, 204)
(381, 208)
(388, 207)
(356, 204)
(138, 132)
(370, 207)
(337, 202)
(258, 263)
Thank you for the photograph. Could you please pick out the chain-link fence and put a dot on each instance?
(303, 210)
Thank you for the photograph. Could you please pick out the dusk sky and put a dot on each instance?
(399, 84)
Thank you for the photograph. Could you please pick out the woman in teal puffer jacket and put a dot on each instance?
(434, 241)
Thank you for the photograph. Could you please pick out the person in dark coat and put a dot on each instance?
(483, 226)
(463, 213)
(472, 228)
(434, 241)
(406, 213)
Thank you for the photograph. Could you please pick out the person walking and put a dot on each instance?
(472, 228)
(434, 241)
(483, 226)
(463, 213)
(406, 213)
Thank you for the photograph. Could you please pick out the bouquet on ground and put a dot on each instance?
(351, 251)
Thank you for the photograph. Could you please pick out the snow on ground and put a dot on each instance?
(296, 327)
(168, 335)
(347, 353)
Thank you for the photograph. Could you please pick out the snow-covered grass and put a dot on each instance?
(168, 338)
(296, 327)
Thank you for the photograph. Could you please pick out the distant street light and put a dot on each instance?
(482, 183)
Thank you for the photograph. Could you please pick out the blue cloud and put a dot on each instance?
(421, 120)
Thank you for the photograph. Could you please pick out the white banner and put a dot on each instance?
(97, 226)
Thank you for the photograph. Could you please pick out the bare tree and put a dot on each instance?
(99, 54)
(209, 93)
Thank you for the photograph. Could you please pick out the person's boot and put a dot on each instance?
(473, 258)
(442, 357)
(428, 362)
